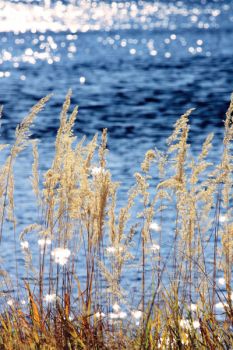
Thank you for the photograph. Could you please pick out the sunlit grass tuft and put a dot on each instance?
(174, 237)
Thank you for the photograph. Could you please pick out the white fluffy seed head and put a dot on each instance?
(61, 255)
(116, 307)
(222, 218)
(95, 171)
(155, 226)
(111, 250)
(10, 302)
(24, 245)
(184, 324)
(99, 314)
(137, 314)
(122, 314)
(155, 248)
(50, 298)
(44, 242)
(193, 307)
(196, 324)
(221, 281)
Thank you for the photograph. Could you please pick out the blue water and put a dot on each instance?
(134, 68)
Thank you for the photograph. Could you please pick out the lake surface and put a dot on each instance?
(134, 67)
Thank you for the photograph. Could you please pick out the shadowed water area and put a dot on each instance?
(134, 67)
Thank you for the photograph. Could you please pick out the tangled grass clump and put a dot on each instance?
(179, 214)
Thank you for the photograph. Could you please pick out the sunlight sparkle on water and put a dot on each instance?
(90, 15)
(22, 18)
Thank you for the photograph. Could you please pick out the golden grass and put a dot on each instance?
(175, 232)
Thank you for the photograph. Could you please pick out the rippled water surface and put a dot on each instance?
(134, 67)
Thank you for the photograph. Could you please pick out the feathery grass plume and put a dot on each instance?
(35, 173)
(228, 123)
(28, 229)
(149, 157)
(112, 216)
(201, 165)
(64, 132)
(23, 129)
(103, 149)
(112, 281)
(21, 137)
(185, 215)
(178, 143)
(227, 234)
(142, 189)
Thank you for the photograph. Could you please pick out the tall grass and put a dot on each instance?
(173, 236)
